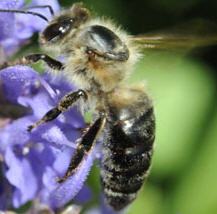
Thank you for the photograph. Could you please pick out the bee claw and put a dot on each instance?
(60, 180)
(29, 128)
(35, 125)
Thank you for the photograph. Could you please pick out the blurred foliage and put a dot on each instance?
(184, 173)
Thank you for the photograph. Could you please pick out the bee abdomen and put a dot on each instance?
(120, 183)
(127, 158)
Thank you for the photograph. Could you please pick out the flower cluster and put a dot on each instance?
(16, 28)
(33, 161)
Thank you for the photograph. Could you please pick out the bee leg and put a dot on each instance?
(86, 143)
(66, 102)
(33, 58)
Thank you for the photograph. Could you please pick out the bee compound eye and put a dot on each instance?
(51, 32)
(56, 30)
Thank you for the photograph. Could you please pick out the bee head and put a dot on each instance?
(65, 23)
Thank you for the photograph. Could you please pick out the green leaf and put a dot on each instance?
(197, 192)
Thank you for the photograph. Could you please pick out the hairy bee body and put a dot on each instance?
(128, 146)
(100, 56)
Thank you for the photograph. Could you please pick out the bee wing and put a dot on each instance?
(184, 37)
(172, 41)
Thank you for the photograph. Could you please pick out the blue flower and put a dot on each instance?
(31, 162)
(16, 28)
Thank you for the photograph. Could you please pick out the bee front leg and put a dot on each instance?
(84, 146)
(33, 58)
(66, 102)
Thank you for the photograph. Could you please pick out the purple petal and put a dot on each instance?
(15, 133)
(84, 195)
(62, 160)
(24, 26)
(18, 81)
(55, 135)
(40, 103)
(19, 170)
(75, 117)
(7, 27)
(59, 82)
(49, 182)
(69, 189)
(48, 88)
(40, 156)
(11, 4)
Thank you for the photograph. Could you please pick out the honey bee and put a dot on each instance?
(98, 58)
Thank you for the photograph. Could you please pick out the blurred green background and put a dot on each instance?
(184, 172)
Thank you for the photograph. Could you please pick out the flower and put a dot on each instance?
(17, 28)
(31, 162)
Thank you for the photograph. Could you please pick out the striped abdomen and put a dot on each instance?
(127, 155)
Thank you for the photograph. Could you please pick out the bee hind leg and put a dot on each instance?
(66, 102)
(85, 145)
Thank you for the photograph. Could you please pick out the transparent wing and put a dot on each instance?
(184, 37)
(173, 41)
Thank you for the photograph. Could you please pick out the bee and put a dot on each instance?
(98, 58)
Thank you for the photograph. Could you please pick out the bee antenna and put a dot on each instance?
(24, 12)
(43, 6)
